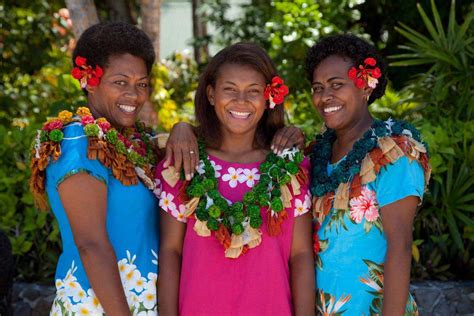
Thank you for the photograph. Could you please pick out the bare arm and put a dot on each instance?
(85, 201)
(397, 220)
(302, 267)
(171, 249)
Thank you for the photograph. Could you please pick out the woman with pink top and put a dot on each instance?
(236, 239)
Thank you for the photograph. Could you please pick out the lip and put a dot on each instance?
(127, 109)
(330, 110)
(239, 114)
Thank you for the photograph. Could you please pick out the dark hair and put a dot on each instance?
(349, 46)
(101, 41)
(245, 54)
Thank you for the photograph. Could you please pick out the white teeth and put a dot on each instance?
(332, 109)
(240, 114)
(127, 108)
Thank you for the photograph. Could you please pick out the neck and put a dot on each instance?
(238, 148)
(346, 137)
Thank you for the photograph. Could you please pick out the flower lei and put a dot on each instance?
(383, 143)
(129, 154)
(363, 75)
(275, 92)
(85, 73)
(237, 226)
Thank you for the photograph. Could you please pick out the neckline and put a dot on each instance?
(221, 161)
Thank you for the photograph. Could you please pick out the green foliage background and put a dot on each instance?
(431, 48)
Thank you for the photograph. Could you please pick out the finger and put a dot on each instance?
(178, 159)
(277, 140)
(187, 164)
(168, 156)
(194, 159)
(287, 140)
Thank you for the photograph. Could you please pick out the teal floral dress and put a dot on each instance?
(352, 244)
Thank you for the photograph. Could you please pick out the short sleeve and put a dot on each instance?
(301, 201)
(168, 195)
(73, 158)
(399, 180)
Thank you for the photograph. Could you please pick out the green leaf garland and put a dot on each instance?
(274, 172)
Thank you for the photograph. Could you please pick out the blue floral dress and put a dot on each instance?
(132, 226)
(353, 246)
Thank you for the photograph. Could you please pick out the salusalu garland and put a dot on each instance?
(275, 171)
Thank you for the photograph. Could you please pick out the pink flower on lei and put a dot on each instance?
(364, 206)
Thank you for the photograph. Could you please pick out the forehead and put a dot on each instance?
(126, 63)
(332, 66)
(238, 73)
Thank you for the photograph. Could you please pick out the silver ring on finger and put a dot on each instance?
(192, 152)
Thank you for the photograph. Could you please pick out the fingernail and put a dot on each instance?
(272, 148)
(188, 177)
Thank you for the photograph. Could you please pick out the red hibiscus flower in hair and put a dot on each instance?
(365, 75)
(275, 92)
(85, 73)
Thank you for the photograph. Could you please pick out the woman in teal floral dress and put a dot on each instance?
(368, 177)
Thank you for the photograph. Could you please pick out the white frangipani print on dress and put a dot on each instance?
(140, 291)
(232, 176)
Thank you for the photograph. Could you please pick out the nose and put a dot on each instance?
(241, 97)
(327, 95)
(131, 92)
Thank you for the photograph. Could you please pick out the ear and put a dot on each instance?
(367, 92)
(91, 89)
(210, 94)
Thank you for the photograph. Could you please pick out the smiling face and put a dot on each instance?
(238, 99)
(122, 91)
(341, 104)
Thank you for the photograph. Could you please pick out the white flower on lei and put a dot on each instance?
(232, 176)
(217, 168)
(249, 176)
(166, 202)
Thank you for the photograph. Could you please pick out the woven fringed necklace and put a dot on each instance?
(384, 143)
(129, 154)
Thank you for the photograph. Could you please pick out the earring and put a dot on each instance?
(211, 101)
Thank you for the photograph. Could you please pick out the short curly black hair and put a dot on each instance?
(348, 46)
(103, 40)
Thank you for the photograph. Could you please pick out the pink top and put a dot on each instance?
(256, 283)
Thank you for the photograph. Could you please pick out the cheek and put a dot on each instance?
(316, 98)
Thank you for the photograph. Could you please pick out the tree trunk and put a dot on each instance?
(150, 12)
(201, 51)
(83, 15)
(119, 11)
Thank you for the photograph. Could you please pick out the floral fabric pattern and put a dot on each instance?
(351, 244)
(140, 292)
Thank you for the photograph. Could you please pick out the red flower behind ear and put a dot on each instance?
(370, 61)
(80, 61)
(275, 92)
(85, 73)
(365, 75)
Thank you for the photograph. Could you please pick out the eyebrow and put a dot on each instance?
(330, 79)
(252, 84)
(124, 75)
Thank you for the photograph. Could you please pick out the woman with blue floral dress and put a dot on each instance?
(368, 176)
(95, 166)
